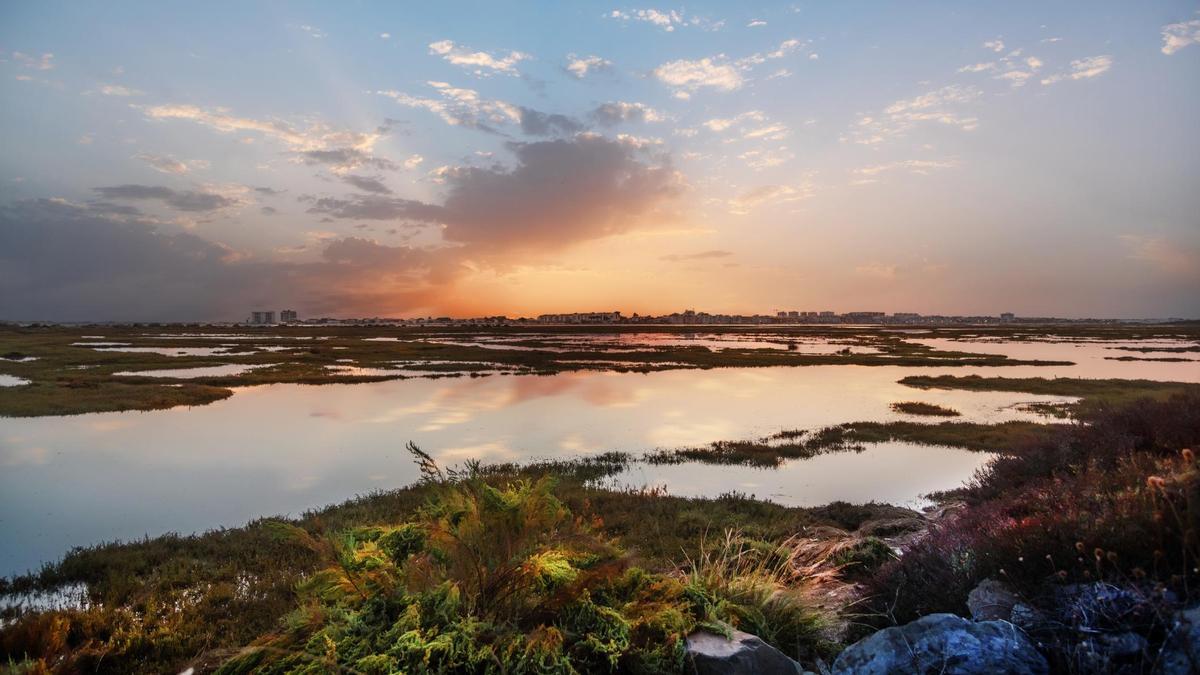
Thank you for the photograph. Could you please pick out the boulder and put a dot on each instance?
(992, 600)
(740, 654)
(943, 643)
(1181, 652)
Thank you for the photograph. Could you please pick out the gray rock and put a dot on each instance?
(1181, 651)
(743, 654)
(943, 643)
(991, 600)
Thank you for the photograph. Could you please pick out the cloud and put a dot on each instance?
(996, 45)
(615, 112)
(1176, 36)
(917, 166)
(756, 23)
(70, 262)
(185, 200)
(668, 20)
(581, 66)
(559, 192)
(902, 116)
(43, 62)
(314, 136)
(341, 160)
(978, 67)
(313, 31)
(119, 90)
(413, 161)
(367, 184)
(702, 255)
(460, 107)
(535, 123)
(1083, 69)
(716, 72)
(479, 63)
(767, 194)
(167, 164)
(688, 76)
(719, 124)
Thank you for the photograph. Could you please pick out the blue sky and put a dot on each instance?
(476, 158)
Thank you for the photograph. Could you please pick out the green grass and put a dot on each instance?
(927, 409)
(1092, 392)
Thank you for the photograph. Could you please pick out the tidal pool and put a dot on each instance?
(281, 449)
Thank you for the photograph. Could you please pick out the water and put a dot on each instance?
(281, 449)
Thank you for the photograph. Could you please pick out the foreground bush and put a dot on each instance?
(505, 579)
(1117, 500)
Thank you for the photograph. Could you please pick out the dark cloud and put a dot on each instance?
(560, 192)
(70, 262)
(536, 123)
(347, 158)
(185, 200)
(270, 192)
(367, 184)
(702, 255)
(612, 114)
(268, 210)
(374, 207)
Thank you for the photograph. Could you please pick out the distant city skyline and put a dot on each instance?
(170, 162)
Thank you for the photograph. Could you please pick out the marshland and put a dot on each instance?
(231, 497)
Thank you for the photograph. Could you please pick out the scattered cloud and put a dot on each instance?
(43, 62)
(756, 23)
(917, 166)
(702, 255)
(581, 66)
(413, 161)
(1163, 255)
(460, 107)
(902, 116)
(180, 200)
(313, 136)
(767, 194)
(370, 184)
(385, 36)
(481, 64)
(313, 31)
(119, 90)
(615, 112)
(668, 20)
(536, 123)
(996, 45)
(167, 164)
(1176, 36)
(1083, 69)
(688, 76)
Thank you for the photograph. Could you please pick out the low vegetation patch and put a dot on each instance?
(928, 409)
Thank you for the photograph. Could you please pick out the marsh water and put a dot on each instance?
(282, 449)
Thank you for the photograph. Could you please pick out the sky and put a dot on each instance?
(194, 162)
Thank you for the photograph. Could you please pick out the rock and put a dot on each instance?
(1181, 652)
(991, 600)
(943, 643)
(743, 654)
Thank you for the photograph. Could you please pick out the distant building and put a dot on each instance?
(263, 317)
(1007, 316)
(288, 316)
(581, 317)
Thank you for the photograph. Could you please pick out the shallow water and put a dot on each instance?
(280, 449)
